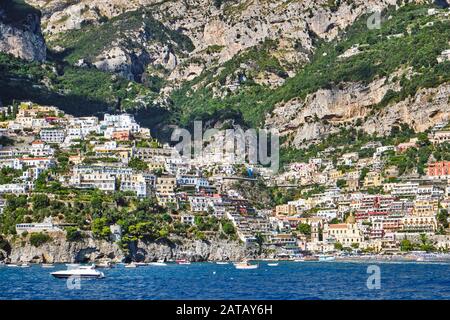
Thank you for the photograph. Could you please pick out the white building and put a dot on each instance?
(53, 135)
(135, 183)
(15, 188)
(46, 226)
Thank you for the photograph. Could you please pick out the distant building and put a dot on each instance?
(53, 135)
(286, 209)
(440, 170)
(46, 226)
(347, 233)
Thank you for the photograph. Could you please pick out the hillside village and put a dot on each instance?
(108, 177)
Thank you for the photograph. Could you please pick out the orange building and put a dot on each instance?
(439, 169)
(121, 135)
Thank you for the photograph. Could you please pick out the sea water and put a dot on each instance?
(288, 280)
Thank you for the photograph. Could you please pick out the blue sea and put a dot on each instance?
(288, 280)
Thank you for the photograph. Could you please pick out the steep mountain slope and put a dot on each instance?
(217, 30)
(353, 77)
(20, 31)
(308, 68)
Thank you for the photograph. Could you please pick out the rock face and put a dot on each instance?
(60, 250)
(90, 250)
(23, 38)
(229, 27)
(320, 113)
(190, 250)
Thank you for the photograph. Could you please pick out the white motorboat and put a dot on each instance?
(104, 265)
(221, 262)
(131, 265)
(273, 264)
(324, 257)
(140, 264)
(183, 261)
(159, 263)
(47, 265)
(11, 265)
(24, 265)
(81, 272)
(244, 265)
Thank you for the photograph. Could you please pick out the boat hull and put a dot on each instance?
(247, 267)
(65, 276)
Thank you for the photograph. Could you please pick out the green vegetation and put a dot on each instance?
(100, 228)
(138, 164)
(423, 245)
(91, 40)
(418, 49)
(7, 175)
(304, 229)
(73, 234)
(442, 218)
(40, 201)
(346, 140)
(79, 91)
(227, 227)
(38, 239)
(338, 246)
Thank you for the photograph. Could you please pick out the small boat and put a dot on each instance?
(140, 264)
(324, 257)
(221, 262)
(244, 265)
(159, 263)
(183, 261)
(104, 265)
(47, 265)
(24, 265)
(273, 264)
(299, 260)
(81, 272)
(131, 265)
(11, 265)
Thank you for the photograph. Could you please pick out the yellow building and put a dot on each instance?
(336, 174)
(346, 233)
(166, 185)
(425, 208)
(156, 165)
(372, 179)
(285, 209)
(419, 223)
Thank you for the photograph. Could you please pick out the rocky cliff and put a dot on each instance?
(20, 31)
(89, 250)
(218, 30)
(307, 67)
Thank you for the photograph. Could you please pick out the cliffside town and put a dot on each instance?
(89, 189)
(358, 90)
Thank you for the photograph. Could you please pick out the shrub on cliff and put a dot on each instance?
(38, 239)
(100, 228)
(228, 228)
(4, 245)
(73, 234)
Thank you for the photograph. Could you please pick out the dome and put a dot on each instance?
(350, 219)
